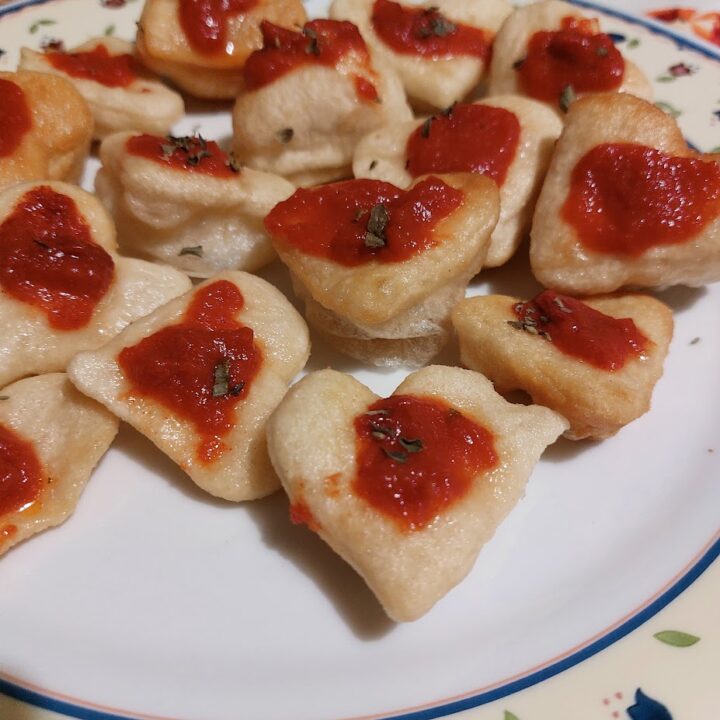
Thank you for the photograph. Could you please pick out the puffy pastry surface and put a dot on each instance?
(164, 48)
(398, 312)
(69, 433)
(596, 402)
(312, 444)
(146, 105)
(57, 144)
(320, 105)
(382, 155)
(511, 43)
(430, 82)
(30, 345)
(159, 211)
(243, 471)
(557, 256)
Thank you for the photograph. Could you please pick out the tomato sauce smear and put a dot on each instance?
(625, 198)
(199, 368)
(320, 42)
(49, 259)
(427, 32)
(578, 330)
(574, 56)
(98, 65)
(15, 117)
(21, 475)
(205, 23)
(191, 153)
(360, 221)
(465, 138)
(417, 456)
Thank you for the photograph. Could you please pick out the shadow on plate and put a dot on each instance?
(333, 576)
(138, 448)
(563, 449)
(680, 297)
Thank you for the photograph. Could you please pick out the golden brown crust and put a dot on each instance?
(163, 47)
(56, 146)
(559, 259)
(596, 402)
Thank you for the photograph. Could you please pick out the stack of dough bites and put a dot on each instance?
(386, 155)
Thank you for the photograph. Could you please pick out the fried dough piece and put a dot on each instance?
(383, 155)
(305, 123)
(390, 312)
(636, 224)
(51, 438)
(511, 42)
(51, 128)
(409, 553)
(215, 396)
(214, 71)
(44, 257)
(130, 99)
(597, 401)
(199, 216)
(431, 81)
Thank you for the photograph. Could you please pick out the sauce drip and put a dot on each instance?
(200, 368)
(48, 259)
(417, 456)
(573, 56)
(578, 330)
(320, 42)
(97, 65)
(300, 514)
(333, 221)
(15, 117)
(465, 138)
(205, 23)
(426, 32)
(20, 473)
(194, 154)
(625, 198)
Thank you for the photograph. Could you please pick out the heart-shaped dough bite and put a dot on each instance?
(200, 377)
(407, 489)
(202, 46)
(510, 139)
(46, 128)
(51, 438)
(595, 362)
(185, 202)
(63, 288)
(311, 94)
(626, 203)
(440, 51)
(551, 52)
(380, 268)
(121, 94)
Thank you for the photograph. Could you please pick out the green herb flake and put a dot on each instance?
(695, 341)
(375, 235)
(510, 716)
(425, 130)
(448, 111)
(567, 97)
(519, 63)
(196, 250)
(285, 135)
(632, 43)
(412, 446)
(602, 51)
(312, 48)
(676, 638)
(221, 379)
(4, 397)
(41, 23)
(233, 163)
(396, 456)
(109, 31)
(373, 165)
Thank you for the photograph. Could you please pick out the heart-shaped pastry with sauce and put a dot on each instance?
(201, 375)
(510, 139)
(626, 203)
(379, 268)
(595, 362)
(63, 287)
(440, 51)
(121, 94)
(551, 52)
(46, 128)
(409, 488)
(51, 438)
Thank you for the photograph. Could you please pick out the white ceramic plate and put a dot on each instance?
(155, 600)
